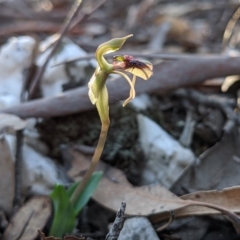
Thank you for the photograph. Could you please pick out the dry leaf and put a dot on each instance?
(29, 218)
(156, 202)
(228, 198)
(218, 168)
(11, 121)
(42, 236)
(114, 189)
(7, 176)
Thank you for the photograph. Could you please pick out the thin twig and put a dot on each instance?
(17, 202)
(225, 105)
(172, 216)
(167, 76)
(118, 223)
(163, 56)
(66, 26)
(229, 28)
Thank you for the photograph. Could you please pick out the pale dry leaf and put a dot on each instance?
(228, 198)
(156, 202)
(29, 218)
(11, 121)
(7, 176)
(218, 167)
(114, 188)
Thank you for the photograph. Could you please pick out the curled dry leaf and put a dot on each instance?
(42, 237)
(11, 121)
(228, 198)
(29, 218)
(155, 201)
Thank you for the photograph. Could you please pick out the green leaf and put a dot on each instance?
(86, 193)
(64, 218)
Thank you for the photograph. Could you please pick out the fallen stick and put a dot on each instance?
(167, 76)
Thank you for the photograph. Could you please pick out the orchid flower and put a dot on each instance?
(97, 89)
(98, 93)
(139, 68)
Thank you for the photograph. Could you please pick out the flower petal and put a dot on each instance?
(142, 72)
(108, 47)
(132, 89)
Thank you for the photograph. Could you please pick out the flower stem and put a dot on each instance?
(94, 162)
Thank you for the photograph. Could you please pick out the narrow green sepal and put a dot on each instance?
(108, 47)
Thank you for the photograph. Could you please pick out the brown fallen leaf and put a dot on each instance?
(7, 176)
(28, 219)
(114, 188)
(218, 168)
(228, 197)
(42, 236)
(155, 201)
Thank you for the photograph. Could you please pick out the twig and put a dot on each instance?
(167, 76)
(224, 104)
(233, 216)
(86, 15)
(163, 56)
(24, 27)
(188, 130)
(118, 224)
(172, 215)
(68, 21)
(17, 202)
(68, 25)
(229, 28)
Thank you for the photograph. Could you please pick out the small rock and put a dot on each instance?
(165, 157)
(138, 228)
(15, 57)
(59, 73)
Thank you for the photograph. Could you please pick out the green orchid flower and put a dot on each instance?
(98, 94)
(121, 64)
(138, 68)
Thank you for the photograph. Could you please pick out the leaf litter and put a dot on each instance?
(156, 201)
(184, 26)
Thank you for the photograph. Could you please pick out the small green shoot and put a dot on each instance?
(65, 213)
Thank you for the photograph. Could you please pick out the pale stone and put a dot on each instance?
(138, 228)
(165, 158)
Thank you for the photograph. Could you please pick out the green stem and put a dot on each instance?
(94, 162)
